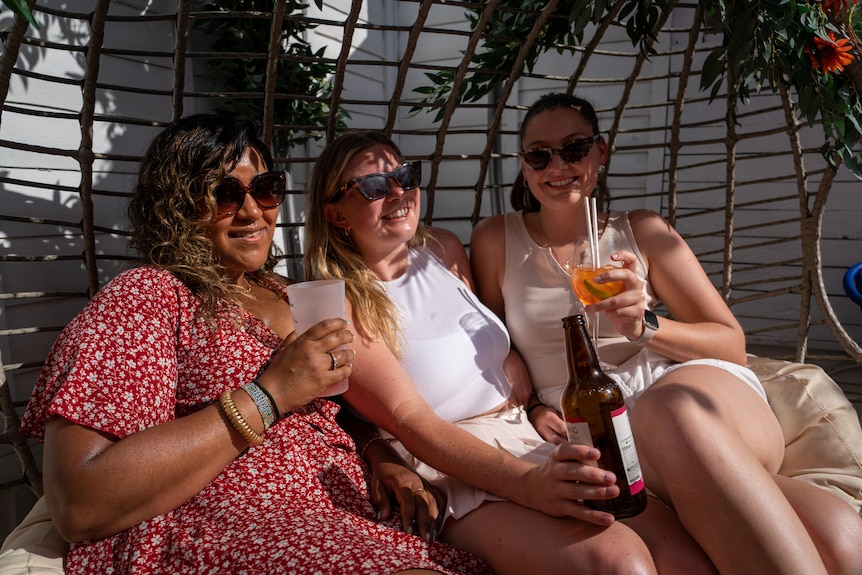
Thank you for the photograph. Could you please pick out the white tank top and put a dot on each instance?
(455, 346)
(538, 294)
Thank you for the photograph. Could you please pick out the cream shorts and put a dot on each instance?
(509, 430)
(646, 367)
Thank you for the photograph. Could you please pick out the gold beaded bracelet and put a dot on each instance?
(238, 421)
(370, 441)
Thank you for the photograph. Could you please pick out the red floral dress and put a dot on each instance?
(137, 356)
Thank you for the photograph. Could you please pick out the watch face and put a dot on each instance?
(650, 319)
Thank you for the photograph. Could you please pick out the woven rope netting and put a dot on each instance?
(83, 95)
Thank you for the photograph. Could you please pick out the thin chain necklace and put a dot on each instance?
(549, 245)
(246, 290)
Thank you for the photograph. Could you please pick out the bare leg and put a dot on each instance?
(710, 447)
(672, 548)
(515, 540)
(834, 526)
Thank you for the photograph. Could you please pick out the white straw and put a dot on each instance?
(592, 229)
(589, 219)
(595, 232)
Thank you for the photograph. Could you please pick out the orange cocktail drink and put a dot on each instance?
(590, 292)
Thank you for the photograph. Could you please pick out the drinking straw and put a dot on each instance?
(590, 210)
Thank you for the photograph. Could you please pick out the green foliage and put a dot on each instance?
(514, 20)
(302, 76)
(22, 9)
(766, 44)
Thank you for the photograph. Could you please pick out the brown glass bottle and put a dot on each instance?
(595, 414)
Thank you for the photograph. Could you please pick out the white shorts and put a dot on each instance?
(646, 367)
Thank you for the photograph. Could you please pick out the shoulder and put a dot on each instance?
(649, 225)
(444, 243)
(491, 228)
(450, 251)
(144, 281)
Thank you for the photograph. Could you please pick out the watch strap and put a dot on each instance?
(650, 324)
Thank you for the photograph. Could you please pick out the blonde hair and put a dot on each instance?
(330, 252)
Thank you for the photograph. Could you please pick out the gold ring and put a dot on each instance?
(415, 491)
(334, 365)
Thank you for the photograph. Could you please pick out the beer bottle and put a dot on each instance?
(595, 414)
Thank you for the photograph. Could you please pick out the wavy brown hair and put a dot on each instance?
(173, 202)
(329, 250)
(521, 197)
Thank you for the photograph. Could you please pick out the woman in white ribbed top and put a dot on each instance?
(708, 442)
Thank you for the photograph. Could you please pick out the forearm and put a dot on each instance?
(458, 453)
(682, 341)
(97, 486)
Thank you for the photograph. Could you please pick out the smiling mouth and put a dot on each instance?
(247, 234)
(565, 182)
(396, 214)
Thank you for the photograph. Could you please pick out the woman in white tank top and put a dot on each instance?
(709, 444)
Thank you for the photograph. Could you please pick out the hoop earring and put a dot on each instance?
(526, 195)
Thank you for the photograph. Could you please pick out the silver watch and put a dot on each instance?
(650, 323)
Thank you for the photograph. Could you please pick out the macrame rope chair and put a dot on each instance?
(750, 196)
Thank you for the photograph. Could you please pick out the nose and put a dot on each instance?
(393, 188)
(556, 157)
(249, 208)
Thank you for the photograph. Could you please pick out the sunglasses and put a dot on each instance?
(267, 189)
(572, 152)
(376, 186)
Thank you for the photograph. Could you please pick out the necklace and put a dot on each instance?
(244, 290)
(546, 243)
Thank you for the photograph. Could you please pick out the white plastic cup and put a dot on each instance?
(314, 301)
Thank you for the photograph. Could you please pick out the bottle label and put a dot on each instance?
(626, 440)
(578, 431)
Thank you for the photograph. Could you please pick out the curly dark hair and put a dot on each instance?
(521, 198)
(173, 202)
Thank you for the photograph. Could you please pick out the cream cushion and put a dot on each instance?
(822, 434)
(821, 431)
(34, 547)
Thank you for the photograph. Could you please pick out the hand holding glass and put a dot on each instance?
(314, 301)
(583, 270)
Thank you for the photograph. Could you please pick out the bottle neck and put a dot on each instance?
(582, 358)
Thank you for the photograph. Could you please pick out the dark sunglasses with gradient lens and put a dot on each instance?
(572, 152)
(376, 186)
(267, 189)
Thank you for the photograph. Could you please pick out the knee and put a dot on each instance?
(630, 558)
(841, 552)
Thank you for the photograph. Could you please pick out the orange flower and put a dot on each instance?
(830, 56)
(835, 5)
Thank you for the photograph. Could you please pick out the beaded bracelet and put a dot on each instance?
(268, 395)
(370, 441)
(238, 421)
(264, 407)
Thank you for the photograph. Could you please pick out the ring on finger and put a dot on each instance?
(415, 491)
(334, 365)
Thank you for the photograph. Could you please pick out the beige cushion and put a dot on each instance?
(822, 433)
(34, 547)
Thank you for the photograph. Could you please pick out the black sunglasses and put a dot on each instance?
(376, 186)
(572, 152)
(267, 189)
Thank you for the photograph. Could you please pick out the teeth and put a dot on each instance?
(396, 214)
(562, 182)
(247, 234)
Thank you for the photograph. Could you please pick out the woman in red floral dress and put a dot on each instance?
(182, 428)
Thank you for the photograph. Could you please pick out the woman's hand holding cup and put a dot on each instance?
(302, 368)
